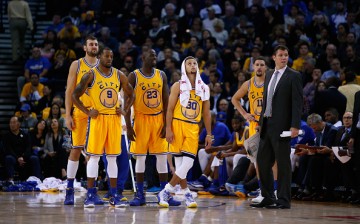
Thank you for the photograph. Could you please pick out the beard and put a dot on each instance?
(92, 53)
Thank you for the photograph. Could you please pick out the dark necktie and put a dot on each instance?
(268, 110)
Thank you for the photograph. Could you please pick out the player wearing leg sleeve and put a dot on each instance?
(189, 98)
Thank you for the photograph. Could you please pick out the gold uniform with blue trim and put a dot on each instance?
(104, 131)
(78, 134)
(255, 95)
(149, 116)
(240, 141)
(185, 126)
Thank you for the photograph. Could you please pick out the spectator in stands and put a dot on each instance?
(349, 89)
(303, 54)
(32, 91)
(55, 156)
(134, 32)
(47, 50)
(194, 45)
(18, 152)
(308, 67)
(219, 33)
(334, 71)
(168, 13)
(309, 91)
(58, 73)
(156, 27)
(204, 12)
(190, 15)
(56, 25)
(64, 48)
(324, 60)
(27, 119)
(196, 28)
(69, 31)
(229, 18)
(339, 16)
(209, 20)
(37, 137)
(232, 76)
(90, 25)
(119, 56)
(351, 22)
(107, 39)
(46, 99)
(248, 65)
(55, 113)
(330, 97)
(36, 65)
(20, 18)
(351, 61)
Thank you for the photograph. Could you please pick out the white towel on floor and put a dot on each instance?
(201, 89)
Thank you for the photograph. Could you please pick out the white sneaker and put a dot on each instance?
(163, 198)
(189, 201)
(258, 199)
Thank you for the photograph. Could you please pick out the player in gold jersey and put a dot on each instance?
(147, 136)
(76, 120)
(254, 88)
(103, 84)
(186, 106)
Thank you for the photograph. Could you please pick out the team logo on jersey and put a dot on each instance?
(192, 110)
(151, 98)
(257, 105)
(108, 97)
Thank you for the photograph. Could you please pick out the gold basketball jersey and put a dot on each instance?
(192, 112)
(104, 91)
(148, 93)
(84, 67)
(240, 141)
(255, 95)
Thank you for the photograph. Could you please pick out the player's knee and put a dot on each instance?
(112, 170)
(75, 154)
(186, 165)
(161, 163)
(140, 164)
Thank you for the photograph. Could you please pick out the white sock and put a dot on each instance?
(169, 188)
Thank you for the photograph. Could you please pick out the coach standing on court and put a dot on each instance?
(281, 112)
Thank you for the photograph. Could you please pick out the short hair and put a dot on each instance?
(314, 119)
(89, 37)
(259, 58)
(102, 49)
(350, 76)
(238, 118)
(280, 47)
(333, 111)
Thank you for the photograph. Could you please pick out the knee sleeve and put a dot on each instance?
(186, 165)
(203, 159)
(178, 161)
(140, 164)
(92, 167)
(112, 169)
(161, 163)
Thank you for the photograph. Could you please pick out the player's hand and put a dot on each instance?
(69, 123)
(93, 113)
(249, 117)
(172, 170)
(208, 141)
(324, 150)
(163, 132)
(120, 111)
(169, 136)
(131, 134)
(294, 132)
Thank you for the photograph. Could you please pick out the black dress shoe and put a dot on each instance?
(262, 204)
(277, 206)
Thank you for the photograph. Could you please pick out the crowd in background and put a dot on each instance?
(224, 36)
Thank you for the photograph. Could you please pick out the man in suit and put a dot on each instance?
(281, 111)
(354, 146)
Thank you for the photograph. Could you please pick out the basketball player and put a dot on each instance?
(148, 134)
(104, 130)
(76, 120)
(189, 98)
(254, 88)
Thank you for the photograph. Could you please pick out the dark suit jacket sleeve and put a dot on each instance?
(297, 100)
(354, 130)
